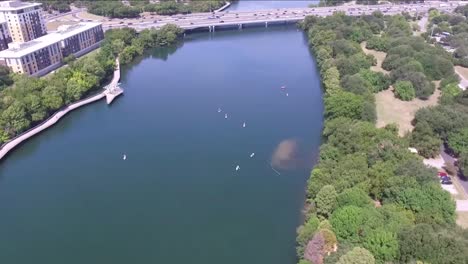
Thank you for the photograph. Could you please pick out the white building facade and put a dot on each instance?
(44, 54)
(24, 20)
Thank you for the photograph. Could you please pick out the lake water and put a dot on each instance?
(67, 196)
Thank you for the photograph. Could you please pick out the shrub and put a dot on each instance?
(404, 90)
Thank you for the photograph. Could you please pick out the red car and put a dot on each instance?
(442, 174)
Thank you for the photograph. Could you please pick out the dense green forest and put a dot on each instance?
(369, 199)
(26, 101)
(448, 122)
(117, 9)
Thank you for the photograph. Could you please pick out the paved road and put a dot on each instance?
(225, 18)
(462, 205)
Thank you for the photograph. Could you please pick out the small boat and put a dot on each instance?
(124, 157)
(253, 154)
(237, 168)
(243, 125)
(283, 87)
(225, 116)
(287, 94)
(219, 110)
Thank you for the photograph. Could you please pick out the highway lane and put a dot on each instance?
(199, 20)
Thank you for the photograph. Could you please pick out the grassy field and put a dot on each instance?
(391, 109)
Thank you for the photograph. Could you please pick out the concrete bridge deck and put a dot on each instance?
(211, 21)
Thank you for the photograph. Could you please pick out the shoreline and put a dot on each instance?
(228, 4)
(53, 119)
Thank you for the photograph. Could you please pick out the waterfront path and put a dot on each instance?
(7, 147)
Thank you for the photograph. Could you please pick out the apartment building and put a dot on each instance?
(24, 20)
(5, 37)
(44, 54)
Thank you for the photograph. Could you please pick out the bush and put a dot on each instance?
(425, 140)
(378, 43)
(357, 256)
(404, 90)
(458, 140)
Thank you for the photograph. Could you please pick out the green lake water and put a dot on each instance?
(67, 196)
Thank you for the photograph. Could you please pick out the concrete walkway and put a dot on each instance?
(462, 205)
(463, 81)
(4, 149)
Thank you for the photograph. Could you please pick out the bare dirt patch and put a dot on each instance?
(85, 15)
(379, 56)
(393, 110)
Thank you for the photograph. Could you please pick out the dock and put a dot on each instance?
(113, 90)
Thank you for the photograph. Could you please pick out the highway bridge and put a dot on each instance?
(239, 19)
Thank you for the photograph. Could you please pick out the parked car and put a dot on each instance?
(446, 181)
(442, 174)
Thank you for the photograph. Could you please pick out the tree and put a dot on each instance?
(347, 221)
(458, 140)
(52, 97)
(463, 163)
(331, 81)
(69, 59)
(443, 119)
(382, 244)
(344, 104)
(357, 256)
(425, 140)
(325, 201)
(5, 78)
(425, 243)
(305, 233)
(430, 204)
(404, 90)
(378, 43)
(15, 118)
(354, 196)
(377, 80)
(356, 84)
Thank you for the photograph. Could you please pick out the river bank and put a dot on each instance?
(52, 120)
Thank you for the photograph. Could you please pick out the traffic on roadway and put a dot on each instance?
(200, 20)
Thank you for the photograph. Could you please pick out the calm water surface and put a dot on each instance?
(247, 5)
(66, 196)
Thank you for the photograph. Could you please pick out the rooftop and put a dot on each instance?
(18, 50)
(16, 5)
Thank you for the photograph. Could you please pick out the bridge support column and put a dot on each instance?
(266, 24)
